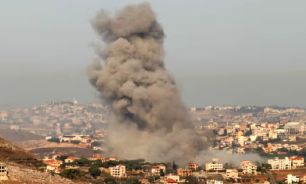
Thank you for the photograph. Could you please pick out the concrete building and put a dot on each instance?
(193, 166)
(214, 166)
(248, 167)
(3, 171)
(290, 179)
(297, 161)
(118, 171)
(184, 172)
(280, 164)
(231, 173)
(157, 169)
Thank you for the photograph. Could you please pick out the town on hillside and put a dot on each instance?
(69, 140)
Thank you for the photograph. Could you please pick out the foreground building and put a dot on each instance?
(118, 171)
(3, 172)
(248, 167)
(214, 166)
(280, 164)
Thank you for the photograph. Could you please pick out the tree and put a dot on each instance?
(71, 173)
(161, 172)
(110, 180)
(54, 139)
(94, 171)
(82, 161)
(174, 166)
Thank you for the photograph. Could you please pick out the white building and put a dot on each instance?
(292, 179)
(214, 166)
(248, 167)
(280, 164)
(156, 169)
(214, 182)
(231, 173)
(3, 171)
(118, 171)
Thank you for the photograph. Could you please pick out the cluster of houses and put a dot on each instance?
(55, 164)
(213, 172)
(84, 141)
(269, 137)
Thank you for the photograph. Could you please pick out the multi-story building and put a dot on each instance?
(290, 179)
(280, 164)
(214, 166)
(297, 161)
(193, 166)
(118, 171)
(3, 171)
(231, 173)
(157, 169)
(248, 167)
(184, 172)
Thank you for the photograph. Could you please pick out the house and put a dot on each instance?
(248, 167)
(214, 166)
(96, 157)
(231, 173)
(290, 179)
(3, 172)
(53, 166)
(118, 171)
(212, 181)
(157, 169)
(280, 164)
(193, 166)
(297, 161)
(184, 172)
(71, 159)
(170, 178)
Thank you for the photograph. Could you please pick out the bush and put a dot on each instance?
(94, 171)
(71, 173)
(82, 162)
(54, 139)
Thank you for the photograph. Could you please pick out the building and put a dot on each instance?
(212, 181)
(297, 161)
(290, 179)
(3, 115)
(71, 159)
(248, 167)
(293, 128)
(231, 173)
(3, 171)
(184, 172)
(280, 164)
(118, 171)
(193, 166)
(214, 166)
(157, 169)
(53, 165)
(170, 178)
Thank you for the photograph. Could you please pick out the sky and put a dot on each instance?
(221, 52)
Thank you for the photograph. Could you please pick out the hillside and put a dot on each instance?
(11, 153)
(22, 166)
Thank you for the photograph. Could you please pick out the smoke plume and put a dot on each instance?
(150, 120)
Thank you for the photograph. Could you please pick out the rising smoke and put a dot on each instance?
(150, 120)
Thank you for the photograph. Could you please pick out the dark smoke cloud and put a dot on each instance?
(150, 120)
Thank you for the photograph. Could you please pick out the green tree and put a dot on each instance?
(82, 162)
(94, 171)
(71, 173)
(174, 166)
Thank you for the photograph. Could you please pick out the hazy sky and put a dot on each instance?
(246, 52)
